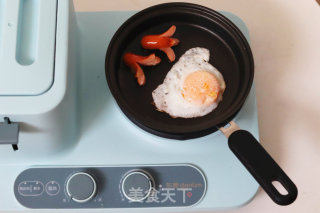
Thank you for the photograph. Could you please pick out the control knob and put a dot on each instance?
(137, 185)
(81, 187)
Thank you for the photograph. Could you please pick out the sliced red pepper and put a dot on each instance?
(163, 42)
(134, 61)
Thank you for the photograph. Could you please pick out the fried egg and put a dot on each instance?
(192, 87)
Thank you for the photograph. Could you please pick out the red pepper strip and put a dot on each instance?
(133, 61)
(163, 42)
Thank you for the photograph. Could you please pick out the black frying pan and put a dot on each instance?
(197, 26)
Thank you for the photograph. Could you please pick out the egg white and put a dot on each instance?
(167, 96)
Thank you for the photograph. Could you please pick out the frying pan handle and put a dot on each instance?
(262, 167)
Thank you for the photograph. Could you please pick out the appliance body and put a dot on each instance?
(47, 110)
(70, 126)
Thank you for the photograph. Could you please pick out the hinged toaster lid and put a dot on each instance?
(27, 46)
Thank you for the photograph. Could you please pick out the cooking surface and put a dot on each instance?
(286, 47)
(229, 53)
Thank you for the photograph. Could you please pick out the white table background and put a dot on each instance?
(285, 40)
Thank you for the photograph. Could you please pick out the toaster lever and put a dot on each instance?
(9, 133)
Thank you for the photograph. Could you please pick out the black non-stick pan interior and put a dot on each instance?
(197, 26)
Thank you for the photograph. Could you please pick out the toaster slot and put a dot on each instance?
(28, 27)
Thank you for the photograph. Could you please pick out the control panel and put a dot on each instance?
(110, 187)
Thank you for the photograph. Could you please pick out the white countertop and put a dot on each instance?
(285, 40)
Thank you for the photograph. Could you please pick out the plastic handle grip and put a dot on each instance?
(262, 167)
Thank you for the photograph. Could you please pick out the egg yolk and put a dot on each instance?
(201, 87)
